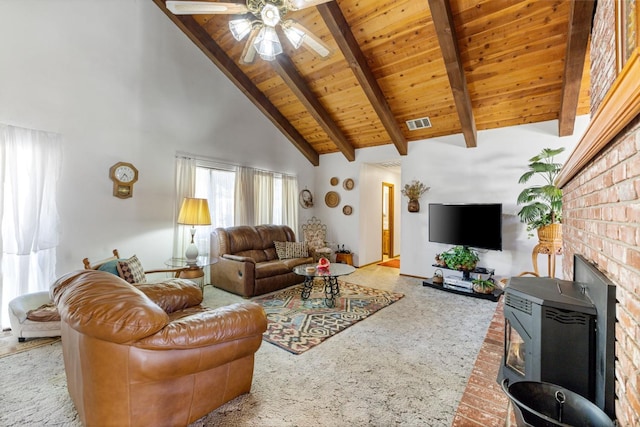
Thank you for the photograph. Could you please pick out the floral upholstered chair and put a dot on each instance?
(314, 233)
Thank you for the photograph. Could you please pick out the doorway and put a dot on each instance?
(387, 220)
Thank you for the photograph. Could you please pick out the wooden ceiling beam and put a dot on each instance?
(288, 72)
(343, 36)
(577, 42)
(229, 68)
(446, 32)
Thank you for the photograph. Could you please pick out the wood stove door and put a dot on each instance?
(515, 350)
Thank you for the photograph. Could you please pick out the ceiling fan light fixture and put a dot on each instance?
(267, 43)
(294, 34)
(270, 15)
(240, 28)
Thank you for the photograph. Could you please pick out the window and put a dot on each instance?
(237, 195)
(217, 186)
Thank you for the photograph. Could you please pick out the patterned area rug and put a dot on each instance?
(10, 345)
(298, 325)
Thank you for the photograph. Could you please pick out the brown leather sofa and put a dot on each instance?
(244, 259)
(150, 354)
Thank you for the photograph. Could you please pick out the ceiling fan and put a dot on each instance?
(259, 21)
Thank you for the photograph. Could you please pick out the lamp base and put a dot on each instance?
(192, 251)
(192, 255)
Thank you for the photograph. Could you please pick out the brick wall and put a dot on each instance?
(603, 52)
(602, 220)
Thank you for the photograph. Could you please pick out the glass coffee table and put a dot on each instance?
(330, 276)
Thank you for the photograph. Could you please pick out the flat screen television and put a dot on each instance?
(475, 225)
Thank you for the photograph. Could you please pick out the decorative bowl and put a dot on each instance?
(310, 270)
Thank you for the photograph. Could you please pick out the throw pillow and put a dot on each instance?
(280, 249)
(111, 267)
(287, 250)
(131, 270)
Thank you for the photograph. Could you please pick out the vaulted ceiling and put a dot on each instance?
(467, 65)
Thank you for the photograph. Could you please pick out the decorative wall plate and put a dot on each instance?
(347, 210)
(334, 180)
(348, 184)
(306, 199)
(332, 199)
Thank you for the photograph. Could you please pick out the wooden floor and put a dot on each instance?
(483, 402)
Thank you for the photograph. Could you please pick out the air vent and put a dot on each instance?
(566, 317)
(390, 164)
(518, 303)
(416, 124)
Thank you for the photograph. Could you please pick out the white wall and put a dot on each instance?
(360, 232)
(488, 173)
(121, 82)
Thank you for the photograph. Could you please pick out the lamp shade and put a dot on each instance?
(294, 34)
(240, 28)
(267, 43)
(194, 212)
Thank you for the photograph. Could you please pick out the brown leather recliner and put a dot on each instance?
(151, 354)
(244, 259)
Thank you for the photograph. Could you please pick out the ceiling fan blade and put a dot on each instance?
(205, 7)
(301, 4)
(249, 51)
(311, 41)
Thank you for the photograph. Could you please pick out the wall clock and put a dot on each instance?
(123, 175)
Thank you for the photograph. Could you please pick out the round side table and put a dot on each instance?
(194, 273)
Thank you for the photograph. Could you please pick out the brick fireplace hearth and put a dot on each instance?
(483, 403)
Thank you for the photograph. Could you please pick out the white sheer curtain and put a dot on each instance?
(263, 197)
(30, 162)
(289, 202)
(185, 187)
(244, 201)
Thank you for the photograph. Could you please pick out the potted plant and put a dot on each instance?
(414, 190)
(542, 210)
(483, 286)
(460, 258)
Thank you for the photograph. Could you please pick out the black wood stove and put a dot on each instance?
(561, 332)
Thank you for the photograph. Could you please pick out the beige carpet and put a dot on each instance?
(407, 365)
(10, 345)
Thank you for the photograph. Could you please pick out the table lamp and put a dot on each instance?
(193, 212)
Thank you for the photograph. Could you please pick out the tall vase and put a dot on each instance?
(414, 205)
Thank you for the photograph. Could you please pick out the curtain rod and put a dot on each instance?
(224, 163)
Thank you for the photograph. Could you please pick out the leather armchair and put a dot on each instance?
(151, 354)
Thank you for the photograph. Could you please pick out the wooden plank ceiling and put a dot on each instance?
(468, 65)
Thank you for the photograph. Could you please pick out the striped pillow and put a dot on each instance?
(286, 250)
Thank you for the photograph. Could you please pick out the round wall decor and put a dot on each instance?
(347, 210)
(306, 199)
(332, 199)
(334, 180)
(348, 184)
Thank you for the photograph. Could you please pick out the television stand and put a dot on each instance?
(493, 296)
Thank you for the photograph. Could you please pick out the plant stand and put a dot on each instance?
(551, 249)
